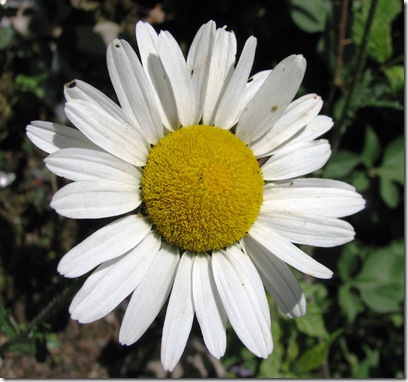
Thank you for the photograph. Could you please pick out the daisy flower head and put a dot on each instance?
(204, 226)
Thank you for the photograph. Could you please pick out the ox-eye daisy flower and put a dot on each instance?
(206, 226)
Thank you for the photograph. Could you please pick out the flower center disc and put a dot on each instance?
(202, 188)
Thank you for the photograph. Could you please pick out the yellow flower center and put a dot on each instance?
(202, 188)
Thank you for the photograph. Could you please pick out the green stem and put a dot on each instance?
(341, 126)
(54, 305)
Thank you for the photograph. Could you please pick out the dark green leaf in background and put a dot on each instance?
(349, 302)
(371, 149)
(379, 44)
(341, 164)
(396, 78)
(317, 355)
(310, 15)
(381, 280)
(312, 323)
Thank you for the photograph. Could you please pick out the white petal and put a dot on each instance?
(179, 76)
(271, 100)
(105, 244)
(310, 182)
(230, 105)
(286, 251)
(51, 137)
(314, 129)
(80, 90)
(221, 69)
(150, 295)
(297, 115)
(179, 314)
(316, 230)
(253, 85)
(95, 199)
(210, 313)
(242, 294)
(198, 63)
(113, 134)
(312, 197)
(277, 278)
(297, 159)
(96, 276)
(147, 41)
(86, 164)
(123, 276)
(133, 89)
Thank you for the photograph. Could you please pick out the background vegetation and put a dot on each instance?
(355, 322)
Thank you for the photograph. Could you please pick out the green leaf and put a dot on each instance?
(389, 192)
(392, 166)
(293, 348)
(379, 45)
(381, 280)
(371, 149)
(23, 345)
(32, 84)
(349, 303)
(392, 170)
(6, 37)
(317, 355)
(312, 323)
(371, 360)
(7, 324)
(396, 78)
(347, 263)
(341, 164)
(360, 181)
(310, 15)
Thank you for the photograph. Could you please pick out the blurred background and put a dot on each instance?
(355, 53)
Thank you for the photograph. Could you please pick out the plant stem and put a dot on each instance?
(54, 305)
(341, 126)
(341, 42)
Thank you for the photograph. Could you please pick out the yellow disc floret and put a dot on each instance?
(202, 188)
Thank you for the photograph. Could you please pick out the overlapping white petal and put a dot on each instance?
(133, 89)
(89, 199)
(148, 43)
(114, 281)
(242, 294)
(198, 64)
(253, 85)
(308, 229)
(286, 251)
(297, 115)
(112, 133)
(314, 129)
(209, 309)
(317, 196)
(87, 164)
(78, 90)
(277, 278)
(221, 69)
(297, 159)
(150, 295)
(230, 105)
(105, 244)
(179, 314)
(51, 137)
(272, 99)
(176, 69)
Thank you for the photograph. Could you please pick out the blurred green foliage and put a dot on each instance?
(354, 326)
